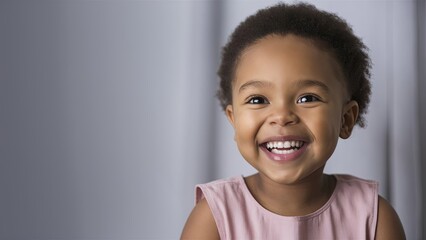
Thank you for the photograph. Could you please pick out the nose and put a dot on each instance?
(283, 116)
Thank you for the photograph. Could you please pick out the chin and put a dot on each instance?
(291, 177)
(284, 178)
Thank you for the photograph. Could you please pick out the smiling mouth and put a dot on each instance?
(284, 147)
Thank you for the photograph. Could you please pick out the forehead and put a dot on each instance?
(275, 56)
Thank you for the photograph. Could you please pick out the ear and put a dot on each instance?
(230, 115)
(349, 117)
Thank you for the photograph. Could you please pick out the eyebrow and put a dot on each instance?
(255, 84)
(301, 83)
(313, 83)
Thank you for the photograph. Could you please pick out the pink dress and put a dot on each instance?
(350, 213)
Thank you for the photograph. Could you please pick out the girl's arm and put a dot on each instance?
(200, 223)
(388, 224)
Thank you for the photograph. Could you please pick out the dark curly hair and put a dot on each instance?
(304, 20)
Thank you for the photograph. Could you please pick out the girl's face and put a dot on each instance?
(289, 107)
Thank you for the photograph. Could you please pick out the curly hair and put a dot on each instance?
(306, 21)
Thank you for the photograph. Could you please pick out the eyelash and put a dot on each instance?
(304, 98)
(256, 99)
(307, 98)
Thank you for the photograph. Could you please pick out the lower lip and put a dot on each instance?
(284, 157)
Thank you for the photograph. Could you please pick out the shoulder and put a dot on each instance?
(219, 190)
(200, 223)
(358, 190)
(350, 179)
(388, 224)
(211, 208)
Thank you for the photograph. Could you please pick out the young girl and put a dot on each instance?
(293, 80)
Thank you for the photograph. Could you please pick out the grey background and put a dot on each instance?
(108, 117)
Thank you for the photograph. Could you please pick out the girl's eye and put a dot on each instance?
(257, 100)
(307, 98)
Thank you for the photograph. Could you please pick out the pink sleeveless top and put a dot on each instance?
(350, 213)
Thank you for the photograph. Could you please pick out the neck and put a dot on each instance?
(297, 199)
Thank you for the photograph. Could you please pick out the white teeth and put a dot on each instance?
(287, 144)
(282, 151)
(284, 144)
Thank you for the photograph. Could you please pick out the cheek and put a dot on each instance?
(326, 129)
(331, 125)
(246, 126)
(328, 133)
